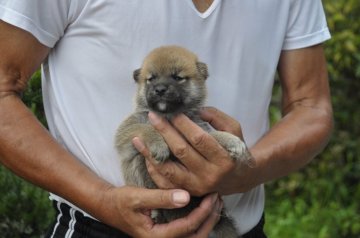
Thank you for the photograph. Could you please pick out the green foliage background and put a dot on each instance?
(321, 200)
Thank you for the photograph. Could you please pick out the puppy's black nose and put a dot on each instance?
(161, 89)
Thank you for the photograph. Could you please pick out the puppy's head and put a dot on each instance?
(171, 80)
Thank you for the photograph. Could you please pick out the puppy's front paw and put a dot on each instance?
(233, 144)
(159, 151)
(235, 147)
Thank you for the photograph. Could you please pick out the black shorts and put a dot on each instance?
(71, 223)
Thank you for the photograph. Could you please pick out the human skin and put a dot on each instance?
(29, 151)
(296, 139)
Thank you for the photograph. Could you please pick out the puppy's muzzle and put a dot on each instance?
(164, 98)
(161, 89)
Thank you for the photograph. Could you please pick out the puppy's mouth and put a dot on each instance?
(166, 106)
(165, 99)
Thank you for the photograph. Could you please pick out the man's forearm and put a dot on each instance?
(28, 150)
(292, 142)
(25, 146)
(307, 123)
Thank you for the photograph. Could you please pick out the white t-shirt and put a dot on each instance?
(96, 45)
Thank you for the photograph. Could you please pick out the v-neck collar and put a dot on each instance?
(208, 11)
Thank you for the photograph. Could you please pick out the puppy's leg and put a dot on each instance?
(156, 144)
(153, 140)
(234, 145)
(133, 163)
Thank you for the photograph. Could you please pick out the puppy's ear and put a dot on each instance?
(136, 75)
(203, 70)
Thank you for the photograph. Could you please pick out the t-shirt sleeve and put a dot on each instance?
(306, 25)
(46, 20)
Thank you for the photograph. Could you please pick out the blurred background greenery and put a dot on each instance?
(320, 201)
(323, 199)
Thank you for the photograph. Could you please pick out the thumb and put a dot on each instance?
(221, 121)
(159, 198)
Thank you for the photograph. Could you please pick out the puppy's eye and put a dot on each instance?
(151, 78)
(178, 78)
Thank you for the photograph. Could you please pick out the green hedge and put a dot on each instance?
(322, 200)
(24, 209)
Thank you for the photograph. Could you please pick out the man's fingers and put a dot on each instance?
(214, 117)
(158, 198)
(209, 224)
(171, 172)
(208, 209)
(221, 121)
(200, 139)
(140, 146)
(177, 144)
(139, 202)
(160, 180)
(191, 224)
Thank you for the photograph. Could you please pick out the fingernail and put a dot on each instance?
(180, 198)
(138, 144)
(153, 118)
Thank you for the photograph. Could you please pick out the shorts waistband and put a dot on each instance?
(71, 223)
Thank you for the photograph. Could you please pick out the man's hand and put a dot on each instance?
(205, 166)
(129, 208)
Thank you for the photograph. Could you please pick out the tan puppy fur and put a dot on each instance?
(170, 81)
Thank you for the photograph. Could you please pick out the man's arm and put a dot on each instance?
(301, 134)
(307, 119)
(25, 146)
(28, 150)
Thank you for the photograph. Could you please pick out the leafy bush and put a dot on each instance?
(24, 209)
(32, 97)
(322, 200)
